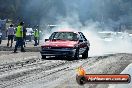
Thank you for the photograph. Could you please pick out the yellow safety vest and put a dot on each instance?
(36, 33)
(19, 32)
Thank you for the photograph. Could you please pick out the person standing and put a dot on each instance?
(0, 36)
(36, 36)
(10, 34)
(19, 37)
(24, 35)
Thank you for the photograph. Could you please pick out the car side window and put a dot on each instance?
(80, 37)
(84, 38)
(52, 35)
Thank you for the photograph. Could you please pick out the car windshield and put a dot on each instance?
(64, 36)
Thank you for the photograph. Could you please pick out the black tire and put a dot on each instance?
(43, 57)
(76, 56)
(85, 54)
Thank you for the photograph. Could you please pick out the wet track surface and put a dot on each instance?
(30, 71)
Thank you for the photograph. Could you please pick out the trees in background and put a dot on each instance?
(49, 11)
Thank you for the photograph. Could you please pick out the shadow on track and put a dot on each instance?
(61, 58)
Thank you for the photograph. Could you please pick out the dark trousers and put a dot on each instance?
(19, 42)
(36, 41)
(24, 41)
(10, 37)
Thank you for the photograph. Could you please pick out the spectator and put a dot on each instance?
(19, 37)
(10, 34)
(24, 35)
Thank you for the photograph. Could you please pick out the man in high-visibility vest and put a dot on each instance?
(19, 37)
(36, 37)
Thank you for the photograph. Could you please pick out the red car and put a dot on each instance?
(66, 43)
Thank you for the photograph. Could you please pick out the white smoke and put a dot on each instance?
(98, 46)
(101, 46)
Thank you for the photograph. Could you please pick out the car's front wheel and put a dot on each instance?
(75, 56)
(85, 54)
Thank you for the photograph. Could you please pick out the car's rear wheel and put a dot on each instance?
(85, 54)
(43, 57)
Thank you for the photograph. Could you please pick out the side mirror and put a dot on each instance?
(46, 40)
(80, 40)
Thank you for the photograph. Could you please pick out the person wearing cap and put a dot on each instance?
(19, 37)
(10, 34)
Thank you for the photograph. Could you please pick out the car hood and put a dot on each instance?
(60, 43)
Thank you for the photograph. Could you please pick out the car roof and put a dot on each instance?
(67, 30)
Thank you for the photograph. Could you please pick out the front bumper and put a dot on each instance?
(58, 52)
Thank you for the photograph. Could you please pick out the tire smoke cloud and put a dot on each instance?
(98, 46)
(90, 17)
